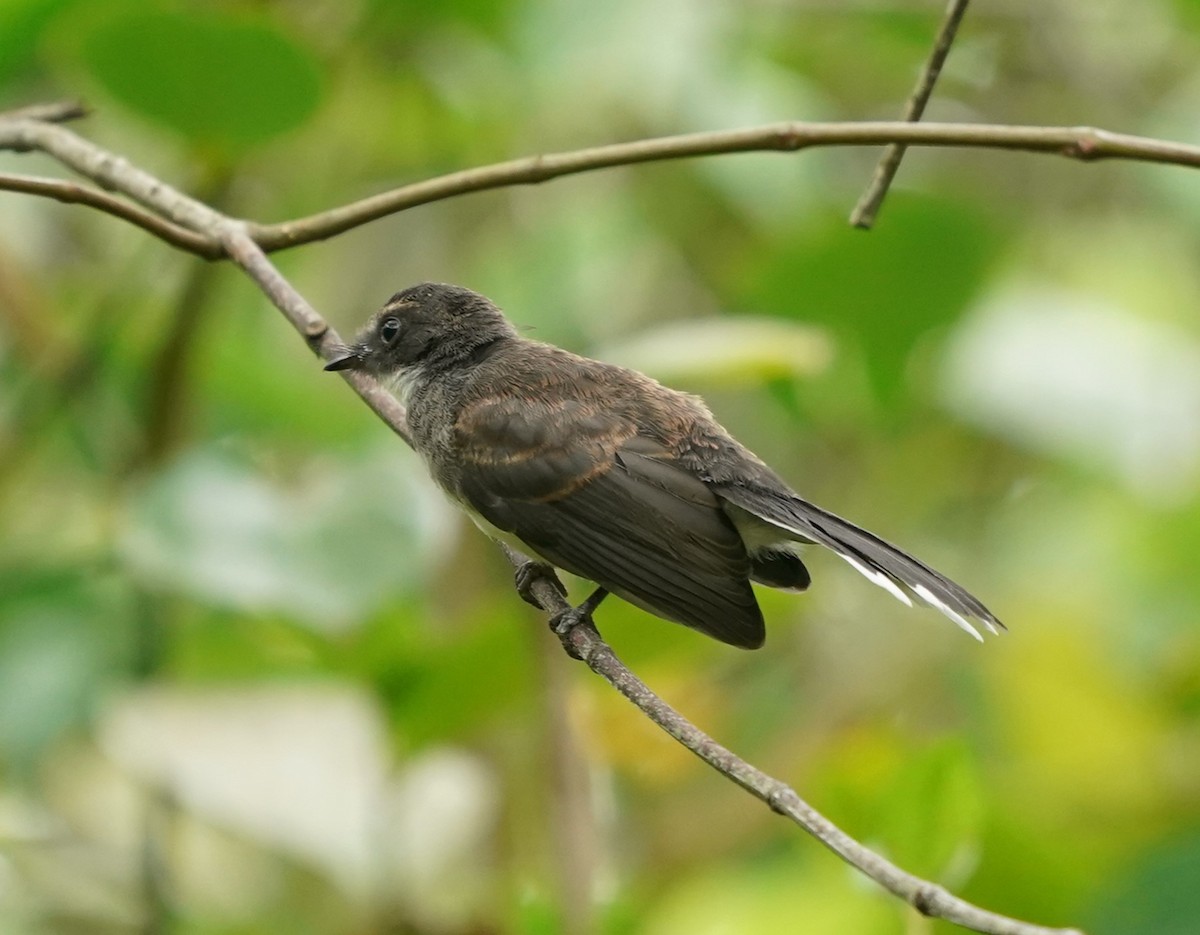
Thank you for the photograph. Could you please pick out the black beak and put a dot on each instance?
(351, 361)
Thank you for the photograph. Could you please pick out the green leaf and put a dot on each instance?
(220, 80)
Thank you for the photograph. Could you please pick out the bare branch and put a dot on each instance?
(1084, 143)
(74, 193)
(108, 170)
(115, 173)
(583, 641)
(53, 112)
(868, 205)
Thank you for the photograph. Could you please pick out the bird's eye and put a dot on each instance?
(388, 329)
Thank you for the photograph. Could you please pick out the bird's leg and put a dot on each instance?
(530, 572)
(562, 623)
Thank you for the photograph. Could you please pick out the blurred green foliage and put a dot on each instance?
(255, 676)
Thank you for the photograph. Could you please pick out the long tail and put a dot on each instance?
(894, 570)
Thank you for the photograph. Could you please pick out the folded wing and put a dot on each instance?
(584, 491)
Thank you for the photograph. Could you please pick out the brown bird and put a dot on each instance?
(605, 473)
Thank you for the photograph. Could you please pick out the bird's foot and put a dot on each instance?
(531, 572)
(564, 622)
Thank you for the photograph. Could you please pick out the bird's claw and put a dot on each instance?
(565, 621)
(528, 574)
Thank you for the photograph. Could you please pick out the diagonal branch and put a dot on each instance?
(583, 641)
(868, 205)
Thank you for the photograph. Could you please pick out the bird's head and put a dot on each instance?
(427, 324)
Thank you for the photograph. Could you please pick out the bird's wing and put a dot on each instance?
(581, 488)
(881, 562)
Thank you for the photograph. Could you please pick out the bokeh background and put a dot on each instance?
(256, 677)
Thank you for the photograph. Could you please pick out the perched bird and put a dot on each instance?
(605, 473)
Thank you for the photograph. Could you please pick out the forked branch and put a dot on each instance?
(195, 227)
(864, 212)
(178, 214)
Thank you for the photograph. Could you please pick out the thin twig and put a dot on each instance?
(1083, 143)
(865, 211)
(74, 193)
(584, 642)
(108, 170)
(52, 112)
